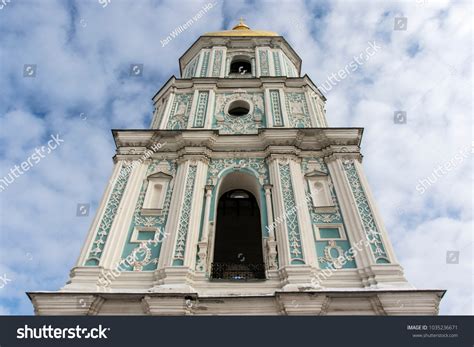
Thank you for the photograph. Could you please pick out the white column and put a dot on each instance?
(166, 113)
(281, 231)
(223, 63)
(375, 212)
(268, 200)
(257, 63)
(354, 227)
(271, 63)
(207, 208)
(99, 215)
(284, 113)
(192, 113)
(210, 109)
(268, 108)
(167, 247)
(119, 231)
(196, 212)
(304, 218)
(312, 113)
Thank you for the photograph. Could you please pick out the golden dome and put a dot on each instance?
(241, 29)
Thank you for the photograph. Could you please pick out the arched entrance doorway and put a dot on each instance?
(238, 251)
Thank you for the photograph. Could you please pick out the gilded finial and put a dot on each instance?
(241, 25)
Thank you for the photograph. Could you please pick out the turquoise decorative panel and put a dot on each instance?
(329, 252)
(329, 233)
(109, 216)
(246, 124)
(180, 110)
(217, 66)
(318, 218)
(294, 237)
(145, 255)
(201, 109)
(276, 108)
(263, 56)
(276, 61)
(297, 109)
(205, 64)
(371, 231)
(190, 69)
(183, 226)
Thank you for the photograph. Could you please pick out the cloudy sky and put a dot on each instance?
(77, 84)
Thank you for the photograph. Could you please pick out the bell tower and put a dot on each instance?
(239, 199)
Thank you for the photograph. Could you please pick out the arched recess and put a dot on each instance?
(242, 181)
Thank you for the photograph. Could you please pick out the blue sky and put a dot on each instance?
(82, 88)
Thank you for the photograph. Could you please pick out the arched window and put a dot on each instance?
(240, 67)
(238, 242)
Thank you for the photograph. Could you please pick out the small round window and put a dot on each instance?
(239, 108)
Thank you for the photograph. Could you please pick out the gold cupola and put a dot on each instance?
(241, 29)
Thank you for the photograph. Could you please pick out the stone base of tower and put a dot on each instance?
(329, 302)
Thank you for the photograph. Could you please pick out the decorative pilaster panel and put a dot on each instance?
(264, 65)
(292, 223)
(179, 114)
(183, 225)
(205, 64)
(372, 233)
(275, 103)
(217, 63)
(328, 226)
(144, 250)
(297, 109)
(201, 109)
(108, 216)
(277, 64)
(190, 69)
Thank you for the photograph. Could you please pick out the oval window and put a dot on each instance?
(239, 108)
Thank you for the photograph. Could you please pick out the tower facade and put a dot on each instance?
(239, 199)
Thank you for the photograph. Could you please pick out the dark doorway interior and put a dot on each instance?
(238, 243)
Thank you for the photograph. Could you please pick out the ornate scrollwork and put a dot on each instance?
(246, 124)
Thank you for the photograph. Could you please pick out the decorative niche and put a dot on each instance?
(155, 193)
(319, 189)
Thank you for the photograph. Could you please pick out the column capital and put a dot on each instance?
(333, 156)
(193, 159)
(268, 188)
